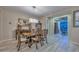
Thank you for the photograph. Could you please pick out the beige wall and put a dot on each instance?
(0, 25)
(6, 29)
(43, 21)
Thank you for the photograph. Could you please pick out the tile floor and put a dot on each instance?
(56, 43)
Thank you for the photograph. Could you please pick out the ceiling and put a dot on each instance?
(38, 11)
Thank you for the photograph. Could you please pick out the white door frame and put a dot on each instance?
(68, 24)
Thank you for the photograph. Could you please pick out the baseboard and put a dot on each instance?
(5, 40)
(75, 43)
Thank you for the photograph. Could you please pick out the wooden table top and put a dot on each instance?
(27, 34)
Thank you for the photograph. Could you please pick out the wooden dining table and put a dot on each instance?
(29, 37)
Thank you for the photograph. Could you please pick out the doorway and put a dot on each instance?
(61, 25)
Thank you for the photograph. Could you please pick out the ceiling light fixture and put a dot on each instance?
(34, 7)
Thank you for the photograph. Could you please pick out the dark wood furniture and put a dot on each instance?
(22, 31)
(32, 37)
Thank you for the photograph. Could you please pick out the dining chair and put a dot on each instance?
(45, 33)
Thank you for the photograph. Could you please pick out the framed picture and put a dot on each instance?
(23, 21)
(76, 18)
